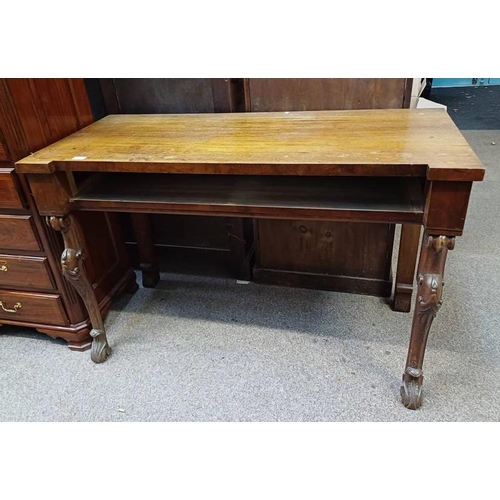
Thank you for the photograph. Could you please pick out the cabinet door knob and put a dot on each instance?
(17, 306)
(3, 266)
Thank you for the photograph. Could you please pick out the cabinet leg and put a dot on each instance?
(407, 260)
(428, 301)
(73, 268)
(83, 345)
(146, 248)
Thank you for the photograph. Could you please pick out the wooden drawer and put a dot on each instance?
(10, 197)
(17, 233)
(25, 272)
(32, 308)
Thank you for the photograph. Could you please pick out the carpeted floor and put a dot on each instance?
(208, 349)
(471, 108)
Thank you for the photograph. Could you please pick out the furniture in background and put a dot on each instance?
(342, 256)
(410, 167)
(33, 114)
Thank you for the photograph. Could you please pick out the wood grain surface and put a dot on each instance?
(17, 233)
(9, 193)
(22, 271)
(310, 94)
(370, 142)
(312, 258)
(43, 307)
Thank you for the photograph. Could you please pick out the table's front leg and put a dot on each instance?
(52, 192)
(73, 268)
(428, 302)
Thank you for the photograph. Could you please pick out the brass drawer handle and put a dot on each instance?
(17, 306)
(3, 266)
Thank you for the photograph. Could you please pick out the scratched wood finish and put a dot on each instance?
(406, 142)
(23, 271)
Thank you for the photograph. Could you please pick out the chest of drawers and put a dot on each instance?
(33, 293)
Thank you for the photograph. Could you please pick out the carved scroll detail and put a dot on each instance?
(430, 289)
(429, 300)
(411, 390)
(100, 348)
(61, 224)
(439, 243)
(70, 262)
(74, 271)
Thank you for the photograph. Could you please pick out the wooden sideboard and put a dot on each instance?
(410, 167)
(33, 114)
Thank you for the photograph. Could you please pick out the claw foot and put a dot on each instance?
(100, 347)
(411, 390)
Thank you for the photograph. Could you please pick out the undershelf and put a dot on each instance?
(363, 199)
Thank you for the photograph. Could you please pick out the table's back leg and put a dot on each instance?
(407, 260)
(74, 270)
(428, 302)
(147, 253)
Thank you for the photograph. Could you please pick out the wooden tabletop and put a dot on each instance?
(403, 142)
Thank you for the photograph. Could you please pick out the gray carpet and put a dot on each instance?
(208, 349)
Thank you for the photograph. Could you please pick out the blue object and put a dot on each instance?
(464, 82)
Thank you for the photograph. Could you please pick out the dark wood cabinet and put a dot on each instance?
(316, 94)
(35, 113)
(171, 95)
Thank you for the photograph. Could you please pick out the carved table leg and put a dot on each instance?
(74, 271)
(428, 302)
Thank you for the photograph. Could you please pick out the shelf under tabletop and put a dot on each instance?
(375, 199)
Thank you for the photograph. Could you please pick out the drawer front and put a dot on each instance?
(10, 197)
(32, 307)
(17, 233)
(25, 272)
